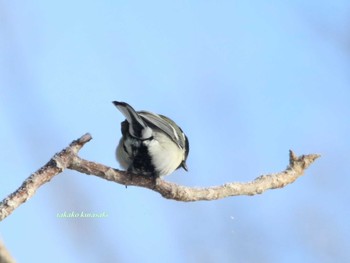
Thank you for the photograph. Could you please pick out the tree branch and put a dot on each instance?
(5, 256)
(56, 165)
(68, 158)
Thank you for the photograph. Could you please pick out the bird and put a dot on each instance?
(151, 144)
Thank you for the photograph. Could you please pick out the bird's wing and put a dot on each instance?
(166, 125)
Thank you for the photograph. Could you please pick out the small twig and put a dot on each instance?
(68, 158)
(5, 256)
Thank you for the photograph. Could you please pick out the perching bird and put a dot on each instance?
(151, 144)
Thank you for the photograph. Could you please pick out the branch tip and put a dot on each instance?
(302, 162)
(85, 138)
(313, 157)
(79, 143)
(292, 157)
(309, 159)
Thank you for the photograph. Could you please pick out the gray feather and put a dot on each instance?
(166, 125)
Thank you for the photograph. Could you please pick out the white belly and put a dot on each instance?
(166, 155)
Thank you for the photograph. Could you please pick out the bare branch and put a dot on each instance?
(68, 158)
(169, 190)
(56, 165)
(5, 256)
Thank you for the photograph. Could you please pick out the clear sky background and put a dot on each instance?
(246, 80)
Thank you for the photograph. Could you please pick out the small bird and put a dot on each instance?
(151, 144)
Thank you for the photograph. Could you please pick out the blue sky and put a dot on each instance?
(246, 81)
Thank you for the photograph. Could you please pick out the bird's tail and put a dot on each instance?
(137, 126)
